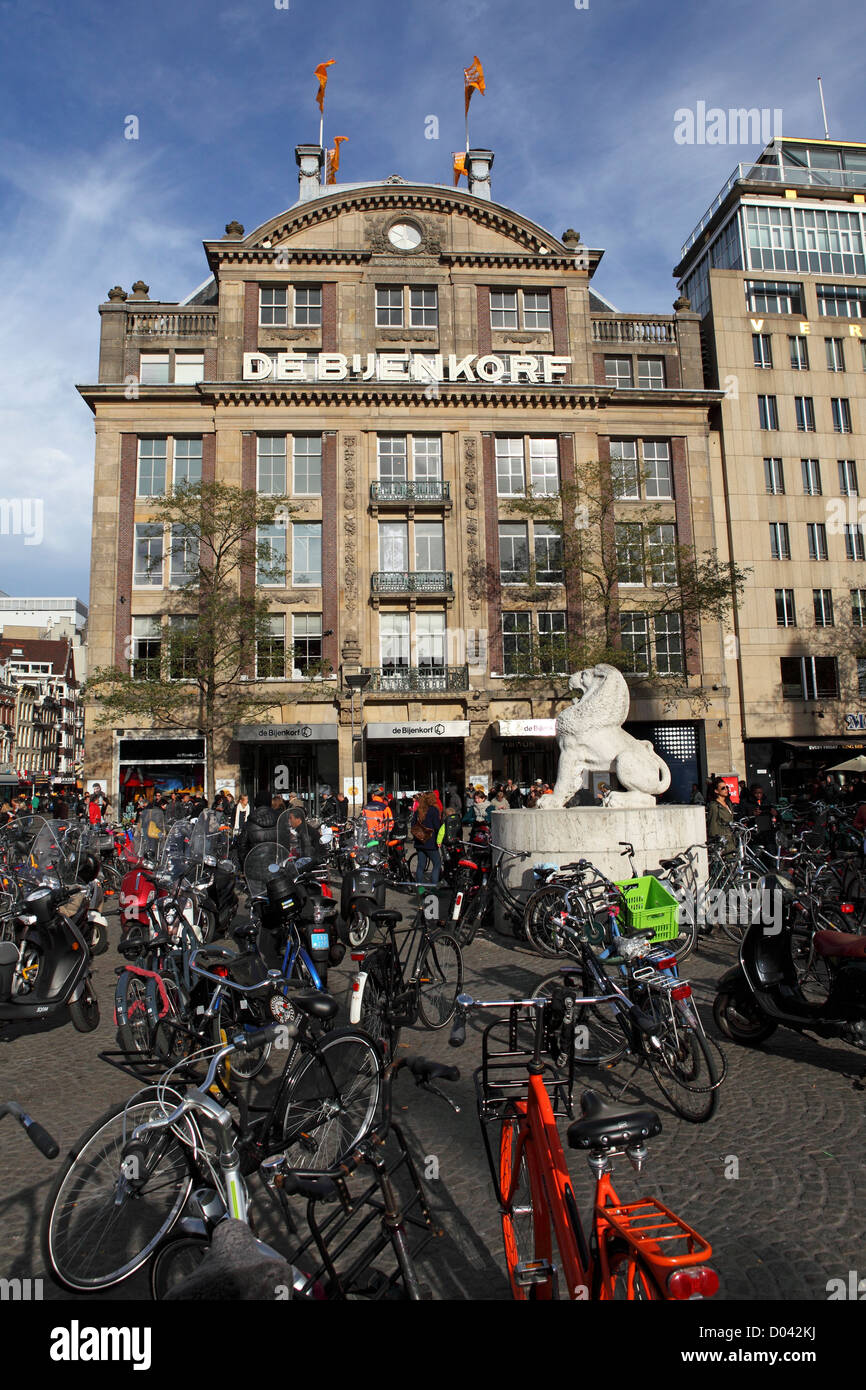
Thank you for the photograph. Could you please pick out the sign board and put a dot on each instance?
(445, 728)
(285, 733)
(734, 784)
(354, 790)
(226, 784)
(421, 368)
(527, 728)
(478, 779)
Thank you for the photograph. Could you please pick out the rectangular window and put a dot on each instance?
(513, 553)
(536, 310)
(618, 371)
(762, 349)
(634, 630)
(799, 353)
(848, 478)
(552, 643)
(430, 547)
(774, 297)
(427, 458)
(394, 547)
(273, 306)
(658, 482)
(835, 354)
(187, 462)
(152, 455)
(307, 465)
(544, 467)
(858, 607)
(424, 306)
(510, 478)
(816, 536)
(823, 603)
(271, 649)
(780, 543)
(629, 553)
(662, 554)
(308, 306)
(146, 649)
(809, 678)
(624, 473)
(391, 450)
(804, 412)
(861, 676)
(774, 476)
(503, 309)
(183, 659)
(651, 373)
(786, 614)
(153, 368)
(841, 412)
(768, 415)
(547, 547)
(183, 567)
(389, 306)
(841, 301)
(811, 477)
(271, 556)
(147, 569)
(306, 644)
(394, 641)
(430, 640)
(271, 464)
(854, 543)
(669, 644)
(188, 368)
(307, 554)
(517, 643)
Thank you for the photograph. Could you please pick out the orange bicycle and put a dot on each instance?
(635, 1250)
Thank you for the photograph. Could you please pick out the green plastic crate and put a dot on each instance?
(649, 904)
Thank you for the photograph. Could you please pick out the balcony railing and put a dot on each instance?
(412, 582)
(637, 330)
(403, 491)
(426, 680)
(174, 323)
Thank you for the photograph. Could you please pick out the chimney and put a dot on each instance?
(480, 163)
(311, 159)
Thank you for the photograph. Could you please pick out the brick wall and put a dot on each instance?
(251, 316)
(329, 318)
(482, 314)
(685, 536)
(125, 544)
(559, 319)
(208, 458)
(248, 571)
(491, 552)
(573, 594)
(330, 578)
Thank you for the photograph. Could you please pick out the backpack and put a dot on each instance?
(421, 833)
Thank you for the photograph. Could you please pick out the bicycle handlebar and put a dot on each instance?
(35, 1133)
(465, 1002)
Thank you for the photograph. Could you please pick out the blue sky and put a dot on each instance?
(579, 110)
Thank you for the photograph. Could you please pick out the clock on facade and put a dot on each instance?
(405, 236)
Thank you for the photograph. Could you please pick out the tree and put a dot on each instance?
(199, 666)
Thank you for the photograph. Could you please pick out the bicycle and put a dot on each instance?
(35, 1133)
(482, 887)
(631, 1251)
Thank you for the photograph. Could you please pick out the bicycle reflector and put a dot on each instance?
(665, 962)
(222, 971)
(358, 955)
(699, 1282)
(327, 892)
(847, 908)
(681, 992)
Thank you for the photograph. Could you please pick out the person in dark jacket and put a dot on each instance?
(305, 841)
(425, 829)
(260, 827)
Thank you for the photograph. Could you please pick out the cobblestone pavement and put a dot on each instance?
(790, 1114)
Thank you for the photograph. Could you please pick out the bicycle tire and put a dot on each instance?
(175, 1261)
(136, 1033)
(91, 1240)
(685, 1067)
(468, 925)
(745, 883)
(541, 917)
(332, 1099)
(598, 1038)
(519, 1224)
(244, 1066)
(374, 1019)
(440, 979)
(631, 1278)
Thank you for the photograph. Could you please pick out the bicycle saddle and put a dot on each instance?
(840, 945)
(383, 915)
(315, 1003)
(607, 1125)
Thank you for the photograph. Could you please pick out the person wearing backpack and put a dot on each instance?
(426, 823)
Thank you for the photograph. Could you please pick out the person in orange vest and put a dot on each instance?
(378, 815)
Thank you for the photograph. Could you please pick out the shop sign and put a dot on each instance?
(527, 728)
(285, 733)
(226, 784)
(404, 366)
(446, 728)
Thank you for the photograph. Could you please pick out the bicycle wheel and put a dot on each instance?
(685, 1070)
(740, 891)
(332, 1099)
(469, 924)
(542, 921)
(631, 1278)
(374, 1015)
(174, 1262)
(100, 1226)
(598, 1038)
(243, 1066)
(440, 979)
(518, 1203)
(135, 1033)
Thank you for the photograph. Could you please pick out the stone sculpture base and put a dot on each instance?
(593, 832)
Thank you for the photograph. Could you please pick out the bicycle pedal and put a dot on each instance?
(531, 1272)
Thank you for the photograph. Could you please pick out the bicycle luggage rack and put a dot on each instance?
(657, 1232)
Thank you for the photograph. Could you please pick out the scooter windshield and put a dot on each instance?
(150, 835)
(210, 839)
(260, 865)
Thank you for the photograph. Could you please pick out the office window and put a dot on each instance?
(651, 373)
(786, 614)
(187, 462)
(835, 354)
(147, 567)
(861, 676)
(624, 472)
(780, 544)
(618, 371)
(503, 309)
(427, 457)
(799, 353)
(306, 554)
(391, 449)
(146, 662)
(662, 554)
(552, 643)
(809, 678)
(762, 349)
(629, 553)
(658, 482)
(816, 536)
(841, 412)
(513, 553)
(547, 549)
(183, 661)
(774, 297)
(183, 566)
(774, 476)
(389, 306)
(424, 306)
(430, 640)
(536, 310)
(517, 643)
(670, 659)
(841, 301)
(430, 547)
(271, 649)
(273, 306)
(394, 547)
(768, 415)
(823, 603)
(308, 306)
(307, 465)
(188, 368)
(811, 477)
(858, 607)
(854, 543)
(544, 467)
(510, 480)
(394, 641)
(271, 556)
(151, 467)
(634, 632)
(271, 464)
(306, 644)
(804, 413)
(848, 478)
(153, 368)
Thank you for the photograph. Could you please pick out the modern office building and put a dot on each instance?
(403, 360)
(776, 270)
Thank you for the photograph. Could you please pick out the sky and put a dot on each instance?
(580, 111)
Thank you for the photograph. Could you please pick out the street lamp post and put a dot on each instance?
(358, 680)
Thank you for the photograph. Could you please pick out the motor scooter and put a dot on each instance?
(46, 968)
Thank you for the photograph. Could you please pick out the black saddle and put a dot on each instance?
(606, 1125)
(315, 1004)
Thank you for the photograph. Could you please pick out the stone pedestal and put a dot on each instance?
(593, 833)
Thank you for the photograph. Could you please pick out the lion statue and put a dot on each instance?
(591, 736)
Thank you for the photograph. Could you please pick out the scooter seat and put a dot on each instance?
(842, 944)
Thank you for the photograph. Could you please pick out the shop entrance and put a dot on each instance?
(425, 766)
(524, 760)
(285, 768)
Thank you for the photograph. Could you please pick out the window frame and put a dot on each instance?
(772, 474)
(151, 459)
(157, 529)
(786, 608)
(811, 474)
(822, 602)
(816, 540)
(779, 532)
(298, 526)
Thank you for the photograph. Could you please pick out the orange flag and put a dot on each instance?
(459, 166)
(473, 80)
(322, 74)
(334, 158)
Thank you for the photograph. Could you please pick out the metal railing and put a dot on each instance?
(424, 679)
(411, 582)
(175, 323)
(400, 490)
(634, 330)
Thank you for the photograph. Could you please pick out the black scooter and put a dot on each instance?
(46, 969)
(790, 979)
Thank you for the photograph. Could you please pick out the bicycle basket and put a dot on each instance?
(648, 903)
